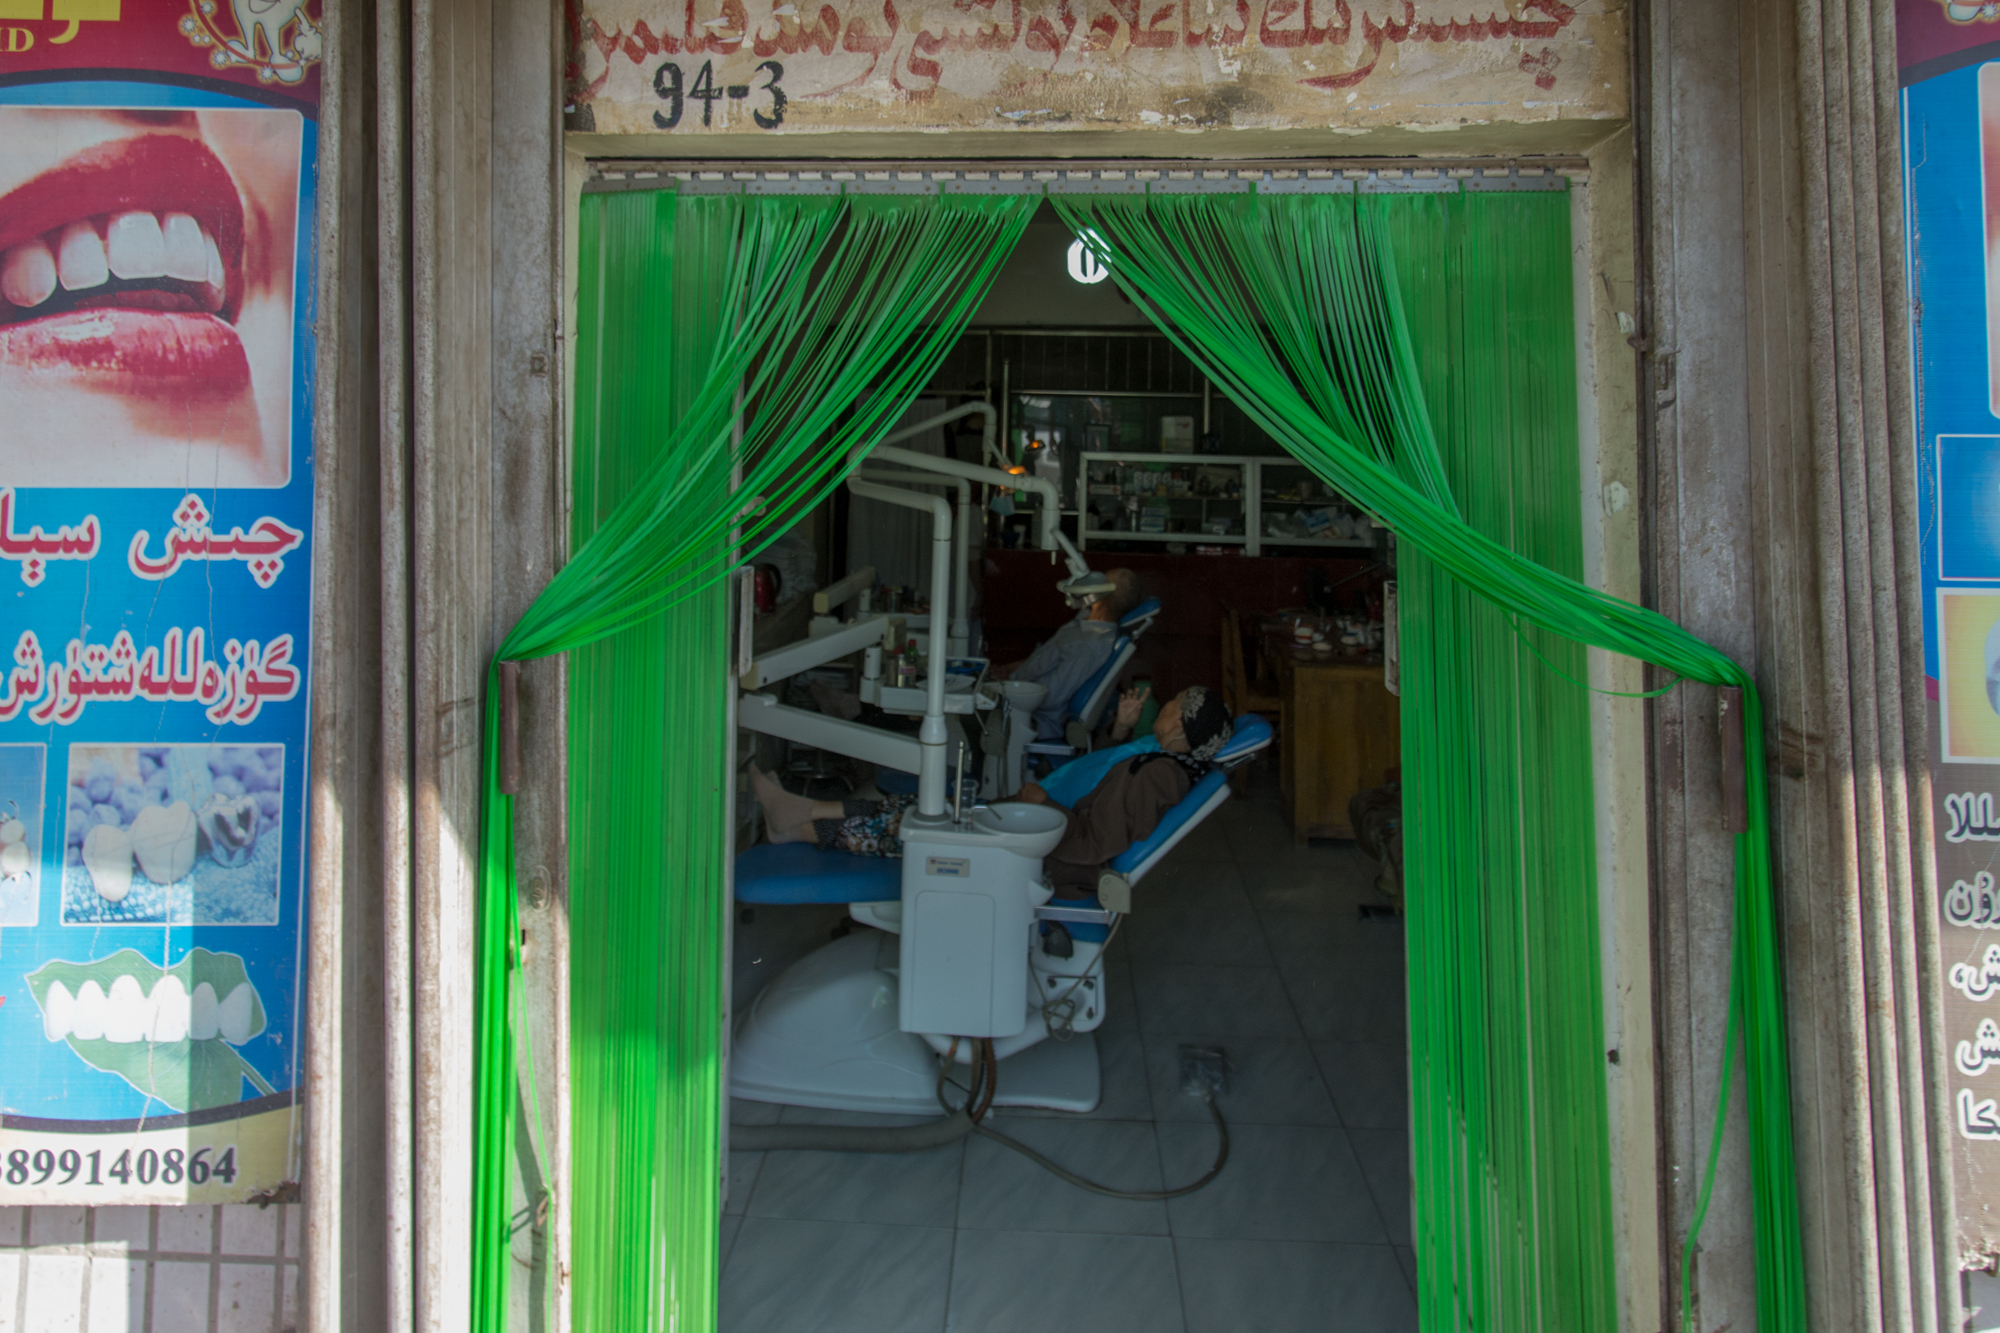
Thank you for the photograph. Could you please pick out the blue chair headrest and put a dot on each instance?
(1081, 699)
(1251, 733)
(1145, 610)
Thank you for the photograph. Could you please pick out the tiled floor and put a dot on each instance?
(1243, 940)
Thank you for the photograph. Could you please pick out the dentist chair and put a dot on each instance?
(963, 947)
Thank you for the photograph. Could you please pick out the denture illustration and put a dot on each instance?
(169, 1032)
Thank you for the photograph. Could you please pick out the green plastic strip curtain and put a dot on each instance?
(732, 349)
(1295, 307)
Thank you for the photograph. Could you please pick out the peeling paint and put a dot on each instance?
(695, 67)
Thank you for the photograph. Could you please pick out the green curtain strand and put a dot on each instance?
(1293, 305)
(733, 350)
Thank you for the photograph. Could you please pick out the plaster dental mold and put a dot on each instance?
(107, 855)
(228, 828)
(170, 1032)
(163, 839)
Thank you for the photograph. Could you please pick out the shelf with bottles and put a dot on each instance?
(1164, 498)
(1296, 508)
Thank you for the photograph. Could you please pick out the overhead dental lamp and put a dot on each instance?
(1084, 584)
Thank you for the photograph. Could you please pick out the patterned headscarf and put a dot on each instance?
(1205, 722)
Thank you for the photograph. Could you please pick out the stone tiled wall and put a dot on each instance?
(197, 1269)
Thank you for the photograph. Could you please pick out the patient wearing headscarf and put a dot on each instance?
(1115, 797)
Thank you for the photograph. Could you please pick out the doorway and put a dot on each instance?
(1307, 972)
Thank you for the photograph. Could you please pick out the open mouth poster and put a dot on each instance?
(156, 469)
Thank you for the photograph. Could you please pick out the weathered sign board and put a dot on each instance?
(1950, 63)
(692, 67)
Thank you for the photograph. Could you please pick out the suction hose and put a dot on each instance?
(958, 1122)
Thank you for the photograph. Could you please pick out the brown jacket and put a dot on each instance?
(1119, 811)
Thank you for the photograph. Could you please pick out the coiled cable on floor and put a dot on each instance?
(979, 1099)
(955, 1124)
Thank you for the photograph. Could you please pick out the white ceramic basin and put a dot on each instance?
(1025, 695)
(1028, 830)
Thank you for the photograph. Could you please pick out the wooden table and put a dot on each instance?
(1339, 732)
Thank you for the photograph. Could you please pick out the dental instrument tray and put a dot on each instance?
(962, 678)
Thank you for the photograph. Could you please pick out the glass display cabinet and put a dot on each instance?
(1165, 498)
(1213, 500)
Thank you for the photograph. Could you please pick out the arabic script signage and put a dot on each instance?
(1950, 56)
(765, 66)
(156, 498)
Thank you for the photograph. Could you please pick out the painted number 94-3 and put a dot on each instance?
(670, 83)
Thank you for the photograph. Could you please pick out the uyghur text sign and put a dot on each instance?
(156, 499)
(764, 66)
(1950, 58)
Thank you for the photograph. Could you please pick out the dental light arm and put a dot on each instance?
(1050, 528)
(961, 595)
(988, 446)
(931, 735)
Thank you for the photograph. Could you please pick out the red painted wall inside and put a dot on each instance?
(1184, 647)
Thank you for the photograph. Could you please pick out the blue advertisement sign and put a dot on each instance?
(156, 548)
(1950, 61)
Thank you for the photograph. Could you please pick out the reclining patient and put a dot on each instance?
(1114, 797)
(1074, 653)
(1069, 657)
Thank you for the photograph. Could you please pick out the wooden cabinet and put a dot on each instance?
(1340, 732)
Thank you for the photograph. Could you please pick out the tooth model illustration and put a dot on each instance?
(229, 828)
(128, 1014)
(163, 839)
(107, 855)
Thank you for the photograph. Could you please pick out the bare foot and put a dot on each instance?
(787, 818)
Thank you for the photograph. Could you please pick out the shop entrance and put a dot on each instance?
(1264, 943)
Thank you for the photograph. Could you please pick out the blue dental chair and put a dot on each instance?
(825, 1032)
(797, 873)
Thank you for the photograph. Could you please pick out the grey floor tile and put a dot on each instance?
(1334, 938)
(1273, 1080)
(1005, 1191)
(1225, 933)
(1014, 1282)
(743, 1167)
(1319, 878)
(1121, 1071)
(1385, 1160)
(1369, 1080)
(730, 1226)
(1190, 997)
(895, 1189)
(1348, 1005)
(1290, 1287)
(1407, 1258)
(1282, 1182)
(829, 1277)
(1177, 885)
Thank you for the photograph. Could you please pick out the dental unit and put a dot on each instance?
(970, 962)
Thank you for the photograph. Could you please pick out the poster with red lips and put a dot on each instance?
(157, 180)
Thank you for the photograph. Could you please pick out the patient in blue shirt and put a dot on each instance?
(1074, 653)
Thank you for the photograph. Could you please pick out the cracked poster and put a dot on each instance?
(156, 498)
